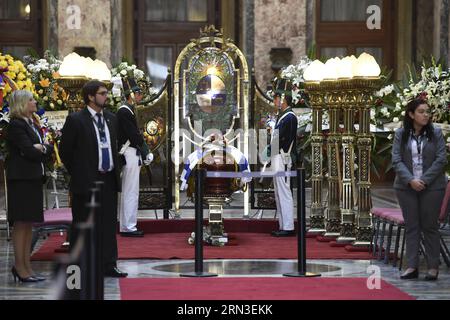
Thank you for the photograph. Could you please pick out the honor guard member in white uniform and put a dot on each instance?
(283, 144)
(134, 152)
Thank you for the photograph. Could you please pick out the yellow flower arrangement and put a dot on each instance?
(13, 73)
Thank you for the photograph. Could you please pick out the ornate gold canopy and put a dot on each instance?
(211, 90)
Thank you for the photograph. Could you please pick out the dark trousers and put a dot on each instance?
(421, 213)
(108, 213)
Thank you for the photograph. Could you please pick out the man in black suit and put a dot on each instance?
(89, 151)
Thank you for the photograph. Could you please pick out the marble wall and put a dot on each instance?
(443, 15)
(278, 23)
(117, 31)
(264, 24)
(247, 30)
(94, 28)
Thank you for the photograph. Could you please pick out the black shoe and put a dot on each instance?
(284, 233)
(273, 233)
(16, 277)
(115, 273)
(410, 275)
(431, 277)
(135, 234)
(39, 278)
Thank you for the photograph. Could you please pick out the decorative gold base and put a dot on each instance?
(317, 221)
(333, 226)
(331, 234)
(177, 215)
(316, 231)
(348, 240)
(360, 244)
(364, 234)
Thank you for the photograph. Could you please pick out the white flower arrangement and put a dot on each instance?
(122, 70)
(49, 63)
(385, 91)
(125, 69)
(294, 73)
(304, 120)
(434, 86)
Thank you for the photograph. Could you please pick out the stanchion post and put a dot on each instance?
(88, 263)
(100, 290)
(301, 235)
(93, 207)
(200, 175)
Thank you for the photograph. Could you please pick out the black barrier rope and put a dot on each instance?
(301, 221)
(200, 175)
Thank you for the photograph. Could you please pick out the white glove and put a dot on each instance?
(264, 155)
(148, 159)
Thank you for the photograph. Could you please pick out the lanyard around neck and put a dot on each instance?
(418, 141)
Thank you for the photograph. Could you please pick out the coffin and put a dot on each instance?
(216, 187)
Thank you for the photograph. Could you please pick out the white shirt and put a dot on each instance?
(108, 140)
(416, 155)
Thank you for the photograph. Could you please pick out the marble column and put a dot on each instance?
(248, 31)
(311, 24)
(424, 30)
(116, 32)
(405, 29)
(444, 31)
(53, 41)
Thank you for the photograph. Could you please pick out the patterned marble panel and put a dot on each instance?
(278, 23)
(95, 28)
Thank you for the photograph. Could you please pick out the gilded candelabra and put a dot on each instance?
(317, 98)
(365, 88)
(349, 197)
(348, 105)
(347, 90)
(333, 216)
(73, 86)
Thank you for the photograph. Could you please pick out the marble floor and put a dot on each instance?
(226, 268)
(420, 289)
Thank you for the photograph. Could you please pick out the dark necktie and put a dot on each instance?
(103, 142)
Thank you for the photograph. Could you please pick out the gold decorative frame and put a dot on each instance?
(209, 37)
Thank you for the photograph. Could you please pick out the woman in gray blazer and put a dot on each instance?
(419, 157)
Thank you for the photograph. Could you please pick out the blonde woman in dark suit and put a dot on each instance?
(419, 158)
(24, 176)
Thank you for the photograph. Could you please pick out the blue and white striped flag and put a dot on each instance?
(193, 159)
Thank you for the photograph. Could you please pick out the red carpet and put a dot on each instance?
(256, 289)
(245, 246)
(188, 225)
